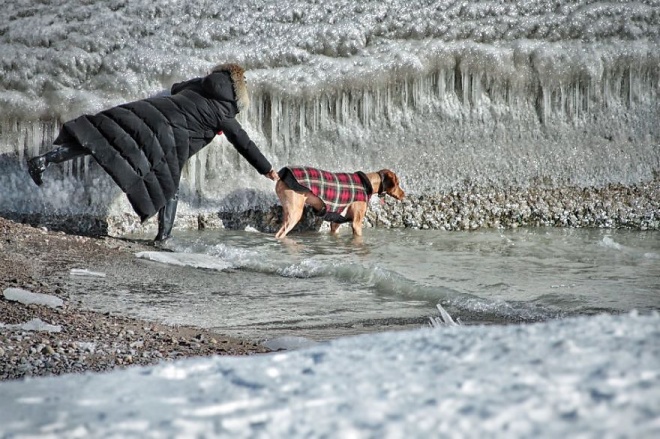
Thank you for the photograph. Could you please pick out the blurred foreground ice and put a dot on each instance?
(585, 377)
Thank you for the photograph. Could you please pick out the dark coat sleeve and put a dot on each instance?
(244, 145)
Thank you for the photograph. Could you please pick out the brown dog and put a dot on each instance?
(331, 194)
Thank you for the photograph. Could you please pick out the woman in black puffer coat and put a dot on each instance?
(144, 145)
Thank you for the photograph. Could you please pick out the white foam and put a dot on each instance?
(611, 243)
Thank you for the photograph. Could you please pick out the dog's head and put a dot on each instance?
(389, 184)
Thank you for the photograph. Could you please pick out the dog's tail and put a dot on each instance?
(335, 217)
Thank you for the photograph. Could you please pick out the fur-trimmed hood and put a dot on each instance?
(237, 75)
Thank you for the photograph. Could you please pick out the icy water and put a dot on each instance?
(320, 286)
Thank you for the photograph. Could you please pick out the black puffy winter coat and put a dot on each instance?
(144, 145)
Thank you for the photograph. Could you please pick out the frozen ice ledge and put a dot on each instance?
(518, 133)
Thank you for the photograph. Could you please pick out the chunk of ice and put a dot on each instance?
(195, 260)
(27, 297)
(86, 272)
(34, 325)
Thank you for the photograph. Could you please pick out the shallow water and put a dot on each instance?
(321, 286)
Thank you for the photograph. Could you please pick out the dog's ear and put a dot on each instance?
(390, 184)
(389, 179)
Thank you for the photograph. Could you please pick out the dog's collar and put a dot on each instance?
(381, 188)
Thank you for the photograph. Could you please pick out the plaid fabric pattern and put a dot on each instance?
(337, 190)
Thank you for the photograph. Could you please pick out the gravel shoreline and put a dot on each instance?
(34, 259)
(635, 207)
(614, 206)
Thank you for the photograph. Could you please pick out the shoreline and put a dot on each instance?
(613, 206)
(35, 260)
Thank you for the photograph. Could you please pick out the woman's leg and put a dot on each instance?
(37, 165)
(68, 151)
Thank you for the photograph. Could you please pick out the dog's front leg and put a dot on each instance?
(292, 208)
(356, 211)
(291, 213)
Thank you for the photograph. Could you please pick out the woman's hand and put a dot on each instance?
(272, 175)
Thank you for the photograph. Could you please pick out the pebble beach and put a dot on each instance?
(44, 340)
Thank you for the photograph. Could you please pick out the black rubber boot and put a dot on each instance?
(166, 219)
(37, 165)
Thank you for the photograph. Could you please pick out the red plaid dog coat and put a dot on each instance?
(336, 189)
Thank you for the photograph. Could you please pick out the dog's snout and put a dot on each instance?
(396, 193)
